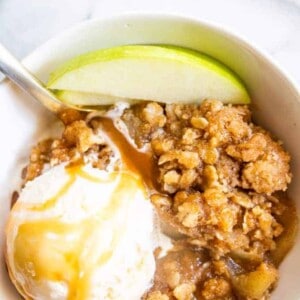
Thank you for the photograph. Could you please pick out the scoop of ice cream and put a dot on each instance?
(80, 233)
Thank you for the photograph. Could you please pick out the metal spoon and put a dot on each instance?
(14, 70)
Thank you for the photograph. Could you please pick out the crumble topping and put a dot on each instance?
(220, 180)
(79, 142)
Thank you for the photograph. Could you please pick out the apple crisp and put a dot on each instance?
(217, 184)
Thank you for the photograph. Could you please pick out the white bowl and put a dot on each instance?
(276, 103)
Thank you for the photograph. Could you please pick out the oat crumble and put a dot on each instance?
(219, 177)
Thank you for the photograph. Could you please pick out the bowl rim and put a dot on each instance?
(219, 27)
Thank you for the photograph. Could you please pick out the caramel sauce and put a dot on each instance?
(138, 162)
(51, 249)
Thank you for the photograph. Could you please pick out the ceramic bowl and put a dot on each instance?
(275, 103)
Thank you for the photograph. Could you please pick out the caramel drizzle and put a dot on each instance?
(80, 257)
(141, 163)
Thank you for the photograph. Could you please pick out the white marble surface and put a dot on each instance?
(273, 25)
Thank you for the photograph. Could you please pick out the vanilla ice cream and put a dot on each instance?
(80, 233)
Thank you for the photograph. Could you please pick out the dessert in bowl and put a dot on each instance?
(204, 170)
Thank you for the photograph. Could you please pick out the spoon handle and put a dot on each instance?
(13, 69)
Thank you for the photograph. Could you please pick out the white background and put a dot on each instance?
(273, 25)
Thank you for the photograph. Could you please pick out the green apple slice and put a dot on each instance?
(166, 74)
(83, 98)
